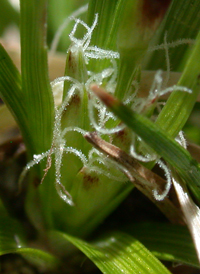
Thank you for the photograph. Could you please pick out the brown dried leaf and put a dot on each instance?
(144, 179)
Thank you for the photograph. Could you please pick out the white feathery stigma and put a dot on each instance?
(99, 116)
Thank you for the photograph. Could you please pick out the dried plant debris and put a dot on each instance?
(144, 179)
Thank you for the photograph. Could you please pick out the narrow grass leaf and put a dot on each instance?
(39, 100)
(166, 241)
(35, 80)
(179, 12)
(176, 111)
(105, 34)
(118, 253)
(10, 88)
(138, 24)
(157, 139)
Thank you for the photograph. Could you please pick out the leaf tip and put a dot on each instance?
(106, 98)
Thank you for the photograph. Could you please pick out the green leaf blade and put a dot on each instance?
(39, 101)
(166, 241)
(179, 12)
(118, 253)
(10, 89)
(178, 107)
(157, 139)
(35, 80)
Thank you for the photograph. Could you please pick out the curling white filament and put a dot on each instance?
(95, 161)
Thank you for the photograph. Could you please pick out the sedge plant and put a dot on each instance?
(103, 127)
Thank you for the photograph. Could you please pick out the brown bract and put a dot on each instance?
(153, 12)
